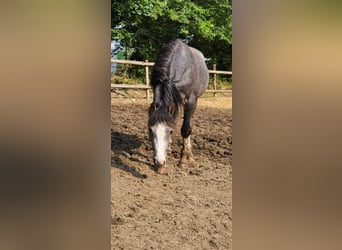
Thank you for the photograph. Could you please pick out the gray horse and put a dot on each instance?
(179, 77)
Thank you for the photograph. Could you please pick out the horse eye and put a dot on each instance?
(171, 131)
(150, 130)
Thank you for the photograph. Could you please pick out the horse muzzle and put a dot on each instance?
(159, 162)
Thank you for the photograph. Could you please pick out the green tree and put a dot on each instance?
(146, 25)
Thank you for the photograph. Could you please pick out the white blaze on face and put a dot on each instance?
(160, 140)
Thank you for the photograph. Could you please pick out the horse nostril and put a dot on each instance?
(161, 162)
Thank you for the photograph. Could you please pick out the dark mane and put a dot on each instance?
(162, 65)
(165, 106)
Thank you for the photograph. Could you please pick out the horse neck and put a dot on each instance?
(157, 94)
(164, 93)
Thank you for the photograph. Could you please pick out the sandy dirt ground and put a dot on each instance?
(189, 208)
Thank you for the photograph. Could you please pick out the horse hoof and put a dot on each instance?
(182, 165)
(191, 159)
(162, 170)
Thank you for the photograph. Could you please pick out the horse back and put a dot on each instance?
(189, 71)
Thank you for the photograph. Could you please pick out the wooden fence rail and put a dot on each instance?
(147, 86)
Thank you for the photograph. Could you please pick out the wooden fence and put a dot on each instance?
(147, 86)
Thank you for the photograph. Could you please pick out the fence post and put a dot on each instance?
(215, 83)
(147, 81)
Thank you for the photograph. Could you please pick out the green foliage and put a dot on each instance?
(125, 79)
(147, 25)
(222, 82)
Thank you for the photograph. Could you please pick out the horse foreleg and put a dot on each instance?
(186, 153)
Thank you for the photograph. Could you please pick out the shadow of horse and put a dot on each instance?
(123, 144)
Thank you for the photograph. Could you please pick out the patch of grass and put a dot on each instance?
(221, 82)
(123, 79)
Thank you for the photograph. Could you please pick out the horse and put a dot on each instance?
(179, 77)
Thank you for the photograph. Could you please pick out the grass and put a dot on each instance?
(221, 82)
(121, 79)
(124, 78)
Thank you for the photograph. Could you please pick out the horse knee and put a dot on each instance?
(186, 131)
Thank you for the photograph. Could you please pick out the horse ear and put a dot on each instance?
(172, 109)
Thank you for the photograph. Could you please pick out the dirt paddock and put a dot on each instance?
(189, 208)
